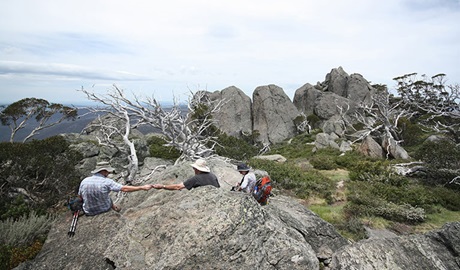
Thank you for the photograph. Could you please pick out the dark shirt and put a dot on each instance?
(201, 179)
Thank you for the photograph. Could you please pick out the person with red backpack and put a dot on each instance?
(248, 181)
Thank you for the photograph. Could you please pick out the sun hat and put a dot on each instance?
(200, 164)
(103, 166)
(242, 167)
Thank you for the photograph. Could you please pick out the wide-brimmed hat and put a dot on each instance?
(103, 168)
(242, 167)
(200, 164)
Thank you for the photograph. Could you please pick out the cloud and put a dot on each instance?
(180, 44)
(66, 71)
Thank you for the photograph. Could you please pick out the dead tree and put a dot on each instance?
(180, 129)
(380, 119)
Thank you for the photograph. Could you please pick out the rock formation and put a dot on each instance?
(205, 228)
(273, 114)
(235, 117)
(211, 228)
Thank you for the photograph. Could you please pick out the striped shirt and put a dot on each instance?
(95, 193)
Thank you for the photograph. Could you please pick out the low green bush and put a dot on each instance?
(324, 159)
(348, 159)
(401, 213)
(43, 169)
(23, 231)
(441, 154)
(298, 147)
(21, 239)
(412, 134)
(321, 162)
(158, 149)
(304, 183)
(235, 148)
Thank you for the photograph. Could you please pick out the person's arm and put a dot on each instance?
(243, 184)
(135, 188)
(169, 187)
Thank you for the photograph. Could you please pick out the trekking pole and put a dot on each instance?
(73, 225)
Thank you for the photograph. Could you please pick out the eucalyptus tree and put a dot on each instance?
(437, 104)
(20, 113)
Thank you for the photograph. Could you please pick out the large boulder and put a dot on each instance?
(438, 249)
(305, 98)
(330, 104)
(205, 228)
(337, 81)
(235, 116)
(273, 113)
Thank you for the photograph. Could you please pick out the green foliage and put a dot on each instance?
(20, 112)
(298, 147)
(324, 159)
(412, 134)
(158, 149)
(303, 183)
(235, 148)
(349, 159)
(45, 169)
(353, 228)
(24, 230)
(440, 154)
(313, 120)
(13, 208)
(447, 198)
(21, 239)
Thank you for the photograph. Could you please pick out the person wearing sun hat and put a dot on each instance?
(248, 181)
(95, 189)
(203, 177)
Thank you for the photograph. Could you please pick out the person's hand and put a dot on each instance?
(157, 186)
(147, 187)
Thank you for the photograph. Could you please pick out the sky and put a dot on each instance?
(167, 50)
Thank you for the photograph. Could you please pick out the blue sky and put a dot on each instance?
(168, 49)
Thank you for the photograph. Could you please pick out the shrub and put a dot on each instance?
(297, 147)
(401, 213)
(158, 149)
(321, 162)
(439, 154)
(313, 120)
(41, 168)
(22, 239)
(324, 159)
(349, 159)
(235, 148)
(412, 134)
(449, 199)
(291, 177)
(24, 230)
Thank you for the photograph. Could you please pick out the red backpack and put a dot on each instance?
(262, 190)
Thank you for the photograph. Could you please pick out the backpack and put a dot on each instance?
(262, 190)
(75, 203)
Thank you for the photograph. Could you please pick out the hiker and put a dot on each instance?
(203, 177)
(95, 191)
(248, 181)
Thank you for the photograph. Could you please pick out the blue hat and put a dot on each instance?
(242, 167)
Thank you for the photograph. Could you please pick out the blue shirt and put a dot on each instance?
(95, 193)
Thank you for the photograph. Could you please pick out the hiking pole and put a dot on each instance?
(73, 225)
